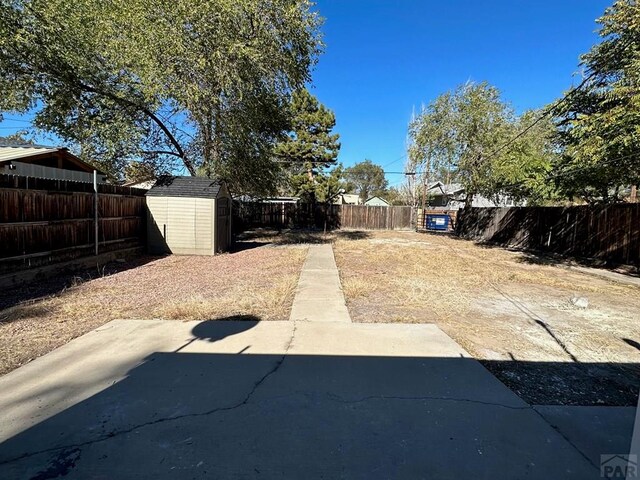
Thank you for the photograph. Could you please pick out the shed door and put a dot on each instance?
(203, 227)
(181, 225)
(223, 224)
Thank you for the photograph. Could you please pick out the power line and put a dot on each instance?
(570, 171)
(10, 119)
(396, 160)
(534, 317)
(547, 111)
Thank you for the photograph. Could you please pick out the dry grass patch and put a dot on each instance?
(258, 281)
(272, 303)
(499, 305)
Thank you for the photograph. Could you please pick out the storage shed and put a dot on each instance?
(188, 216)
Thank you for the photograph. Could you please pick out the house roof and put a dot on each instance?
(447, 189)
(192, 187)
(12, 152)
(24, 153)
(147, 183)
(376, 196)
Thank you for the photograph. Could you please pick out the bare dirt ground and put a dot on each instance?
(258, 280)
(512, 311)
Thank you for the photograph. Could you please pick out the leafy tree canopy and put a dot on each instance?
(600, 121)
(367, 179)
(175, 83)
(468, 133)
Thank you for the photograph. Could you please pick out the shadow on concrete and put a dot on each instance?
(215, 330)
(179, 415)
(12, 297)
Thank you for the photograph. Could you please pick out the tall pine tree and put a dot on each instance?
(310, 147)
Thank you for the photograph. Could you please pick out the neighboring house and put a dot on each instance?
(188, 216)
(347, 199)
(46, 162)
(141, 184)
(376, 202)
(452, 197)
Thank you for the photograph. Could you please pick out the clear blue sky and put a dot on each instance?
(384, 57)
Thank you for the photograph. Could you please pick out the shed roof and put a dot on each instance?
(192, 187)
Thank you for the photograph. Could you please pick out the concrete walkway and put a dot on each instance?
(319, 295)
(163, 400)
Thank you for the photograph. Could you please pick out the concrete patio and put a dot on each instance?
(229, 399)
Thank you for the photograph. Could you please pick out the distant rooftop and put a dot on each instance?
(13, 152)
(447, 189)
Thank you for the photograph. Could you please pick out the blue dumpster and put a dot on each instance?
(438, 222)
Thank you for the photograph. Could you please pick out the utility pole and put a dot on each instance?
(424, 193)
(411, 192)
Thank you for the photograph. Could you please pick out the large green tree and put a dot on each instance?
(470, 135)
(600, 121)
(309, 148)
(523, 169)
(366, 179)
(179, 83)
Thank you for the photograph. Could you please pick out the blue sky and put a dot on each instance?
(385, 57)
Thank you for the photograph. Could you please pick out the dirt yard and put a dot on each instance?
(552, 334)
(258, 282)
(521, 315)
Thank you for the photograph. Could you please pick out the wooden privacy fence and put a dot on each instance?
(375, 218)
(610, 233)
(46, 221)
(302, 215)
(258, 214)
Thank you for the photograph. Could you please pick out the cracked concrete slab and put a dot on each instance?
(319, 296)
(273, 400)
